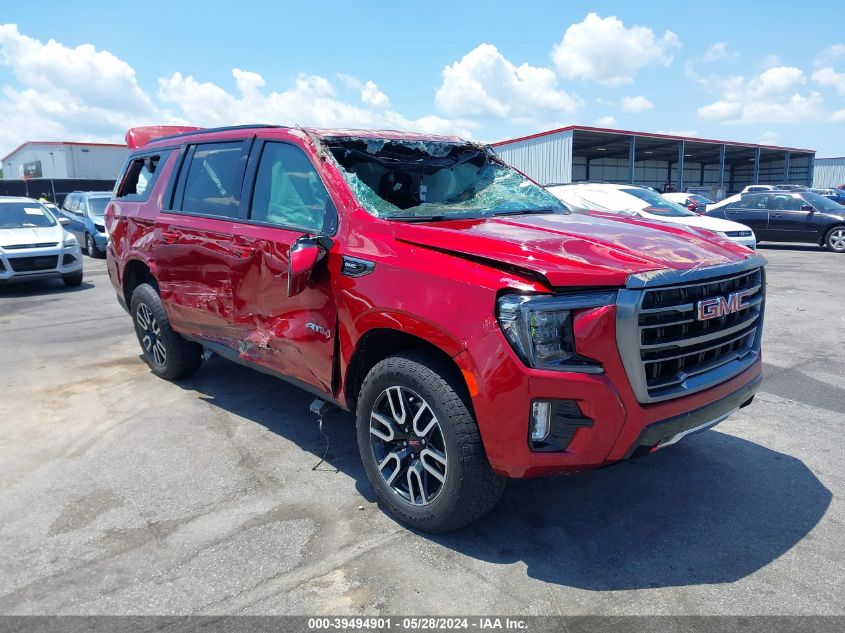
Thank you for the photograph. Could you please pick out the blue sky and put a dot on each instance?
(481, 69)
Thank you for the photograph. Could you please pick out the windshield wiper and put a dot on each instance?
(419, 218)
(524, 212)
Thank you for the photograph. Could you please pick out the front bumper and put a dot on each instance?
(613, 421)
(63, 262)
(748, 242)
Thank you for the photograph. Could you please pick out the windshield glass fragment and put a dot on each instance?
(408, 179)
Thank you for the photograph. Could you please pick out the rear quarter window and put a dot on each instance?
(140, 177)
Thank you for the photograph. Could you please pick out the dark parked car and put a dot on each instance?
(85, 211)
(837, 195)
(789, 216)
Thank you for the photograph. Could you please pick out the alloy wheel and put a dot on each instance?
(408, 445)
(837, 239)
(150, 335)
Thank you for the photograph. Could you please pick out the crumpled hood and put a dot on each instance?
(578, 249)
(36, 235)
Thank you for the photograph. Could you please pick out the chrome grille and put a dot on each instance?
(669, 352)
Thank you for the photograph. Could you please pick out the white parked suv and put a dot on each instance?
(35, 245)
(637, 201)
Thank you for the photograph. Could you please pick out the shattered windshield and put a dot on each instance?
(423, 180)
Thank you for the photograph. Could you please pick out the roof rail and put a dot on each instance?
(139, 136)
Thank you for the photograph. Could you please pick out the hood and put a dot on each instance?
(704, 222)
(596, 249)
(39, 235)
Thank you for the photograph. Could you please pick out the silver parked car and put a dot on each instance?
(35, 245)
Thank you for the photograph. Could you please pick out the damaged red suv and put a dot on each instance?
(477, 329)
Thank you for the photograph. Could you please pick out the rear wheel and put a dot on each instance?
(421, 447)
(91, 246)
(166, 352)
(835, 239)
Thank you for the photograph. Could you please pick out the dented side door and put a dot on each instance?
(294, 336)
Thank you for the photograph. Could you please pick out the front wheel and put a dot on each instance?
(421, 447)
(72, 281)
(168, 354)
(835, 240)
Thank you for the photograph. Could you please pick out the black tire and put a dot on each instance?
(72, 281)
(181, 358)
(91, 247)
(835, 239)
(470, 488)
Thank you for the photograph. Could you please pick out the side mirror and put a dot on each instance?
(302, 258)
(807, 207)
(64, 221)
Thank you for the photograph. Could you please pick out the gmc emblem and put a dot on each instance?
(721, 306)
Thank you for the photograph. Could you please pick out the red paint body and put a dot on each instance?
(225, 281)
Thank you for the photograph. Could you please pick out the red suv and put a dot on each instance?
(477, 329)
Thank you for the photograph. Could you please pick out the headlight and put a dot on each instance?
(70, 241)
(539, 328)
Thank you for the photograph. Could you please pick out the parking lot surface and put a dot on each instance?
(126, 494)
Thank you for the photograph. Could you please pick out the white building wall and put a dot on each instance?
(546, 159)
(829, 172)
(67, 161)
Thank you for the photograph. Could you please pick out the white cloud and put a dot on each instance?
(827, 76)
(773, 96)
(64, 93)
(483, 83)
(607, 121)
(604, 50)
(311, 101)
(770, 61)
(838, 116)
(831, 55)
(718, 51)
(62, 90)
(769, 137)
(635, 104)
(370, 93)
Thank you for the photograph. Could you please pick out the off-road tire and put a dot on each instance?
(471, 488)
(182, 357)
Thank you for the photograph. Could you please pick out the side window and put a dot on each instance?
(214, 177)
(140, 177)
(786, 203)
(752, 201)
(288, 191)
(66, 205)
(83, 206)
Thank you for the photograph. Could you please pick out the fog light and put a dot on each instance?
(541, 414)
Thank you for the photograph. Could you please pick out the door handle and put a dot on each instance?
(242, 250)
(169, 238)
(777, 215)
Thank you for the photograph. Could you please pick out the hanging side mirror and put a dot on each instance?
(303, 257)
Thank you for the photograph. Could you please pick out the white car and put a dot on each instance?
(636, 201)
(758, 188)
(35, 245)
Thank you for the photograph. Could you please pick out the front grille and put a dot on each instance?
(31, 264)
(38, 245)
(673, 350)
(738, 233)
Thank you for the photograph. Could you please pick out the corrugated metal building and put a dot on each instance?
(43, 159)
(580, 153)
(829, 172)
